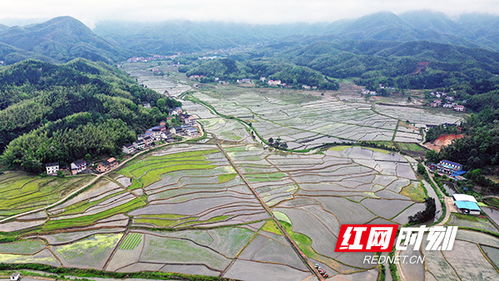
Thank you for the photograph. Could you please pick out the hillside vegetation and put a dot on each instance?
(65, 112)
(57, 40)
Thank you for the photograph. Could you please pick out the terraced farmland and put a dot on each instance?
(226, 206)
(22, 192)
(307, 121)
(210, 209)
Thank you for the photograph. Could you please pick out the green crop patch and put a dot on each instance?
(414, 191)
(133, 204)
(226, 177)
(22, 192)
(131, 241)
(270, 226)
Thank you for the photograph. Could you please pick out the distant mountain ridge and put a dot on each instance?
(58, 40)
(469, 30)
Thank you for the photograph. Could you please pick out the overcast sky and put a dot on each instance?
(252, 11)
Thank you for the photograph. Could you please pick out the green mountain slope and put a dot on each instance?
(57, 40)
(65, 112)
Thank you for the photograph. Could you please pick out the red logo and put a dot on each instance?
(366, 238)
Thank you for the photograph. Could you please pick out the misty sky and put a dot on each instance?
(252, 11)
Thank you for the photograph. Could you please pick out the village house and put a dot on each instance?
(244, 81)
(191, 131)
(459, 108)
(52, 168)
(188, 119)
(139, 145)
(274, 83)
(176, 111)
(107, 165)
(78, 166)
(129, 149)
(196, 77)
(466, 204)
(452, 169)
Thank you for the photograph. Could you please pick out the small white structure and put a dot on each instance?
(128, 149)
(52, 168)
(464, 197)
(15, 277)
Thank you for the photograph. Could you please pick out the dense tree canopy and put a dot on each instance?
(63, 112)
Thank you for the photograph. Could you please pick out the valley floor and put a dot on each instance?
(228, 206)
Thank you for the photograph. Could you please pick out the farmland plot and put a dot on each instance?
(306, 121)
(22, 192)
(466, 261)
(313, 194)
(227, 207)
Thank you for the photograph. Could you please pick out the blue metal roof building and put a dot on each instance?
(468, 207)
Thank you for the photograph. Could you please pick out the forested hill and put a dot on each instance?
(57, 40)
(65, 112)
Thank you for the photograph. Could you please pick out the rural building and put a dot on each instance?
(464, 197)
(459, 108)
(129, 149)
(274, 83)
(78, 167)
(466, 204)
(244, 81)
(107, 165)
(449, 167)
(52, 168)
(468, 207)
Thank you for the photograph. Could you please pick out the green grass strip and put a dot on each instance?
(108, 274)
(90, 219)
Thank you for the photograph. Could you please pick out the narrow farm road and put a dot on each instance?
(97, 177)
(295, 247)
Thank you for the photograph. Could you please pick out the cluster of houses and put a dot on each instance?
(163, 133)
(466, 204)
(151, 58)
(246, 81)
(446, 101)
(452, 169)
(81, 166)
(197, 77)
(77, 167)
(156, 134)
